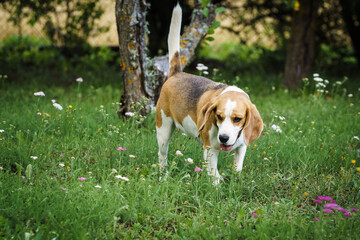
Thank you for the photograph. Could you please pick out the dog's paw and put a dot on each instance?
(217, 180)
(163, 175)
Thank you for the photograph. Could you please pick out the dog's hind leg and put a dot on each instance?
(163, 135)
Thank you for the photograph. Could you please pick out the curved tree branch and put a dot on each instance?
(144, 77)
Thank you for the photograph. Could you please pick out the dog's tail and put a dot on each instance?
(174, 41)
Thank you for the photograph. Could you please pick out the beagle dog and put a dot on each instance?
(221, 116)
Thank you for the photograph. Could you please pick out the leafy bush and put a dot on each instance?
(19, 56)
(78, 18)
(239, 58)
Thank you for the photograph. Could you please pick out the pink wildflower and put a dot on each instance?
(255, 215)
(335, 206)
(326, 198)
(81, 179)
(347, 214)
(355, 210)
(317, 201)
(331, 205)
(198, 169)
(62, 188)
(328, 210)
(316, 219)
(341, 209)
(121, 149)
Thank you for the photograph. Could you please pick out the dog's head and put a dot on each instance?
(233, 113)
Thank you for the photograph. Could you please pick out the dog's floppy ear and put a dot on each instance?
(253, 126)
(206, 112)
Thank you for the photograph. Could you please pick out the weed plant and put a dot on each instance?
(80, 172)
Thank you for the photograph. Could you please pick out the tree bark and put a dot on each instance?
(143, 77)
(300, 51)
(131, 26)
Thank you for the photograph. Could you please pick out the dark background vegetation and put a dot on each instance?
(65, 53)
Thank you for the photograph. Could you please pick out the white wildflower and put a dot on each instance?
(79, 79)
(338, 82)
(132, 156)
(356, 137)
(205, 72)
(189, 160)
(34, 157)
(114, 170)
(39, 113)
(58, 106)
(276, 128)
(320, 85)
(53, 101)
(122, 178)
(41, 93)
(318, 79)
(201, 67)
(350, 95)
(2, 130)
(61, 165)
(98, 186)
(178, 153)
(130, 114)
(326, 81)
(316, 75)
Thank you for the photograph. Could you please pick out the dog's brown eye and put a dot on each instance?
(219, 117)
(237, 119)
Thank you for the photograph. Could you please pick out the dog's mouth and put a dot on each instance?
(226, 147)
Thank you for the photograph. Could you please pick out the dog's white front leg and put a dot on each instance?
(239, 157)
(211, 159)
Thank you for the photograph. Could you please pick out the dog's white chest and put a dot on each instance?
(188, 126)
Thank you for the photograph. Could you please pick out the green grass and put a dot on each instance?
(283, 172)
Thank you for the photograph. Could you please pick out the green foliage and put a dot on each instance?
(235, 59)
(19, 56)
(23, 42)
(315, 154)
(215, 24)
(78, 18)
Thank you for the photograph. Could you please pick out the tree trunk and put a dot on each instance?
(141, 80)
(351, 17)
(131, 26)
(300, 51)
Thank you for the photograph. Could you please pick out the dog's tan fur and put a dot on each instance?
(185, 95)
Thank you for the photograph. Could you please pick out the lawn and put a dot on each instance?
(83, 173)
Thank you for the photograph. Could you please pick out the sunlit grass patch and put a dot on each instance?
(81, 172)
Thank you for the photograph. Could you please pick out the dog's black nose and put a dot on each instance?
(223, 138)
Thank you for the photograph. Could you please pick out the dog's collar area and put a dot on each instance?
(234, 89)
